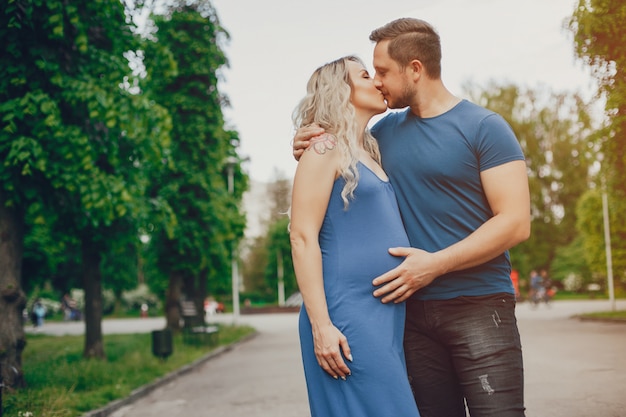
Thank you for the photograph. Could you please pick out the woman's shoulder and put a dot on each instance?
(322, 155)
(323, 147)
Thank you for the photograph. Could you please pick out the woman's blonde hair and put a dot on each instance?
(327, 103)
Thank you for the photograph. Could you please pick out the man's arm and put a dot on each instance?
(506, 188)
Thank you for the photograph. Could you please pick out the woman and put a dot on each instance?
(344, 217)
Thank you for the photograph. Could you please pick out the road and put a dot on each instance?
(573, 368)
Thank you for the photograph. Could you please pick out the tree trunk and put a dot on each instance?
(172, 301)
(203, 278)
(192, 291)
(12, 298)
(92, 284)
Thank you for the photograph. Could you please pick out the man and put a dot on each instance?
(461, 183)
(536, 287)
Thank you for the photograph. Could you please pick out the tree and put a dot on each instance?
(73, 140)
(254, 270)
(182, 74)
(599, 39)
(571, 263)
(280, 197)
(50, 254)
(591, 227)
(260, 267)
(554, 130)
(120, 267)
(279, 249)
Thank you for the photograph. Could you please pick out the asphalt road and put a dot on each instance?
(573, 368)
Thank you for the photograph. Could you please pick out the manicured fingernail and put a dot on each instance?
(350, 357)
(335, 376)
(343, 377)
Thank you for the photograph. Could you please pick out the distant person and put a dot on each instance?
(39, 313)
(344, 216)
(460, 177)
(548, 288)
(515, 281)
(70, 308)
(535, 280)
(67, 305)
(537, 289)
(210, 307)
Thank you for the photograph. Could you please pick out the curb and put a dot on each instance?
(142, 391)
(601, 319)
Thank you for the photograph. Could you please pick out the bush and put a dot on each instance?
(573, 282)
(141, 295)
(52, 307)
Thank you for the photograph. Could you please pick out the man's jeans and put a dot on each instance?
(465, 350)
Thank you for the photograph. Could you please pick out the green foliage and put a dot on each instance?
(134, 298)
(120, 266)
(50, 254)
(72, 137)
(570, 264)
(590, 225)
(556, 133)
(260, 267)
(599, 38)
(254, 271)
(278, 241)
(68, 128)
(182, 67)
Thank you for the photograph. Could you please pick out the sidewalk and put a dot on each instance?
(573, 368)
(261, 377)
(109, 326)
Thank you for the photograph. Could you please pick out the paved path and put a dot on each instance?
(262, 377)
(573, 368)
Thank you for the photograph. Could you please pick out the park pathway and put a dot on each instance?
(573, 368)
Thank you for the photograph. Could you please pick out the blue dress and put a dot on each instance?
(355, 247)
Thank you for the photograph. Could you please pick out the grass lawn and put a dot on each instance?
(61, 383)
(618, 315)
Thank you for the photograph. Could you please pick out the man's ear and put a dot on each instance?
(417, 69)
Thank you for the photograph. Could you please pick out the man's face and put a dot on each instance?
(390, 79)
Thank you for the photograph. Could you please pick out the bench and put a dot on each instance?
(195, 330)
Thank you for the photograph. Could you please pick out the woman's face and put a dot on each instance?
(365, 96)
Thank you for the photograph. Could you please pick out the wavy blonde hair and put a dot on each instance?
(327, 103)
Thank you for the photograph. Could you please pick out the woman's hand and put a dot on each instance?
(329, 344)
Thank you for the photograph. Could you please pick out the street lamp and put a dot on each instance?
(231, 161)
(281, 279)
(607, 244)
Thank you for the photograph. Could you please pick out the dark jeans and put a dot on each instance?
(465, 350)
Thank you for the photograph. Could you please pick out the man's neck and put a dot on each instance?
(433, 100)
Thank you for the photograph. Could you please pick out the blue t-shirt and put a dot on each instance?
(434, 165)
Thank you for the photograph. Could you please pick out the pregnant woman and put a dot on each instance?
(344, 217)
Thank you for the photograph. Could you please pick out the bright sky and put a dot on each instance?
(276, 45)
